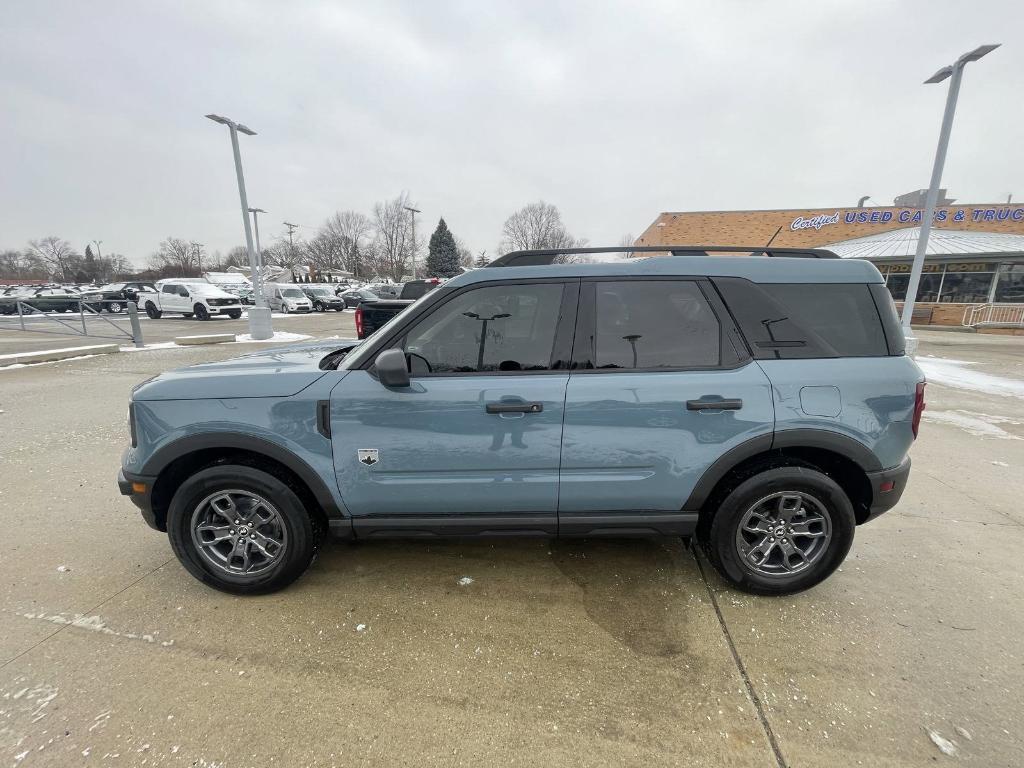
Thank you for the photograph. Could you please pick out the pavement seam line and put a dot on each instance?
(940, 481)
(95, 608)
(741, 668)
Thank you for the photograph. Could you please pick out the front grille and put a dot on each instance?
(222, 302)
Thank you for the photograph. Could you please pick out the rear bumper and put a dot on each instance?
(127, 483)
(887, 487)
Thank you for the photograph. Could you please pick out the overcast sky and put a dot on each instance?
(611, 111)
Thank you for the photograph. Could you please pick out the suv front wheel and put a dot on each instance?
(241, 530)
(781, 531)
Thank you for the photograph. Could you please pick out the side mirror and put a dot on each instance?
(391, 368)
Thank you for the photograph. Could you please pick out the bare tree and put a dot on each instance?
(466, 257)
(22, 265)
(57, 255)
(181, 258)
(537, 225)
(323, 253)
(392, 243)
(349, 233)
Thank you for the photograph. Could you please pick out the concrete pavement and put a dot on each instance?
(617, 652)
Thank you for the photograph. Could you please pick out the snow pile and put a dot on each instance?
(954, 373)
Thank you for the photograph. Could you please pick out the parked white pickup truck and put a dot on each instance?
(203, 300)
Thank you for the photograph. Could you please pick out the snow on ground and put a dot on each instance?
(980, 424)
(955, 373)
(94, 624)
(245, 338)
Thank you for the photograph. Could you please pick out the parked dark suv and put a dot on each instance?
(761, 403)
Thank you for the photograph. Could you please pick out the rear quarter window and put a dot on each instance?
(806, 320)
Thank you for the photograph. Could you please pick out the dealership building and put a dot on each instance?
(975, 253)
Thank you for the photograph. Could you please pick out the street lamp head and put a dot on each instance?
(256, 210)
(978, 52)
(939, 76)
(412, 210)
(219, 119)
(245, 129)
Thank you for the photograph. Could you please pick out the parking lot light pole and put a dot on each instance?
(413, 212)
(954, 73)
(256, 230)
(260, 326)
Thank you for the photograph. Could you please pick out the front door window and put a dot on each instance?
(505, 328)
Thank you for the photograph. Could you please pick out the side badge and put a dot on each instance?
(367, 456)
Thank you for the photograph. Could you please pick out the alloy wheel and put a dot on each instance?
(238, 532)
(784, 533)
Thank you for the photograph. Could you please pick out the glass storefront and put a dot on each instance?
(1010, 288)
(958, 283)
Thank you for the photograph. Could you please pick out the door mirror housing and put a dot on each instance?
(392, 369)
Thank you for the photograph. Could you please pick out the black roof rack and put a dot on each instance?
(545, 256)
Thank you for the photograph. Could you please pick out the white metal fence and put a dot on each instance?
(1007, 315)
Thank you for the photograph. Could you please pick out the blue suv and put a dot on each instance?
(760, 403)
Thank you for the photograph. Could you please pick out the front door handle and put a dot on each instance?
(515, 407)
(733, 404)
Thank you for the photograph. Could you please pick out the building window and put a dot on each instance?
(966, 287)
(927, 289)
(1010, 287)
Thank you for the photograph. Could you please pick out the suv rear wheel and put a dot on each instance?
(781, 531)
(241, 530)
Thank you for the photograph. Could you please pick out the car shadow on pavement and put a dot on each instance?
(635, 590)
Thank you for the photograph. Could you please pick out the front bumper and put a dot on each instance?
(224, 308)
(139, 489)
(887, 487)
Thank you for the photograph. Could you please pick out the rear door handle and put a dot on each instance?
(515, 407)
(733, 404)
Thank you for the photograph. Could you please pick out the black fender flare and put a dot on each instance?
(836, 442)
(163, 457)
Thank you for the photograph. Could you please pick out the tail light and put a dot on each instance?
(359, 332)
(918, 407)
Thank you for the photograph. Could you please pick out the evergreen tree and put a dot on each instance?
(482, 260)
(443, 256)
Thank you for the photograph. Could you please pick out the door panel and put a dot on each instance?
(440, 453)
(631, 443)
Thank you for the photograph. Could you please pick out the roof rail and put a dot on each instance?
(546, 256)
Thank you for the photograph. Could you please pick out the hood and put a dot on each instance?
(278, 372)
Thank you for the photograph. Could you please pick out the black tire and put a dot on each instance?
(318, 306)
(115, 307)
(234, 314)
(719, 540)
(200, 312)
(152, 311)
(302, 535)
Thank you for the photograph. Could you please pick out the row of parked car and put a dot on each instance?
(203, 299)
(112, 298)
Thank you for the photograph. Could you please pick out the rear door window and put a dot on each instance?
(651, 324)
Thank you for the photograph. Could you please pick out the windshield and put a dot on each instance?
(321, 290)
(293, 293)
(364, 350)
(111, 287)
